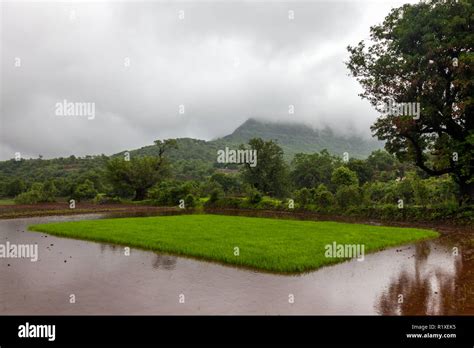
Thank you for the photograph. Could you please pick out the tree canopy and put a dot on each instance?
(422, 53)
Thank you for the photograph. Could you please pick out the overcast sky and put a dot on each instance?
(221, 63)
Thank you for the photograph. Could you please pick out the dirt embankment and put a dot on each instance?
(48, 209)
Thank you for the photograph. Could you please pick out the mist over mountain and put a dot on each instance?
(195, 158)
(292, 137)
(299, 138)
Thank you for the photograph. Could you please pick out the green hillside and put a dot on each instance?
(293, 138)
(195, 158)
(299, 138)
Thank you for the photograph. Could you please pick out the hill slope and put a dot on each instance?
(197, 158)
(293, 138)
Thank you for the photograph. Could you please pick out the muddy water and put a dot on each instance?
(431, 278)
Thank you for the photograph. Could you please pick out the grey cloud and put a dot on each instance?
(225, 62)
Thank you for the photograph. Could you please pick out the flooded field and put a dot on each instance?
(432, 277)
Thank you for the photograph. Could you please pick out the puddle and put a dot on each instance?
(429, 276)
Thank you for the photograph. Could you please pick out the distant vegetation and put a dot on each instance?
(379, 186)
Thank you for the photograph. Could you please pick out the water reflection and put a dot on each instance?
(435, 284)
(166, 262)
(109, 247)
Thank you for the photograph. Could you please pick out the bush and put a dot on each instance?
(189, 201)
(216, 195)
(102, 198)
(36, 194)
(323, 197)
(29, 197)
(303, 196)
(169, 193)
(343, 176)
(348, 196)
(254, 196)
(86, 190)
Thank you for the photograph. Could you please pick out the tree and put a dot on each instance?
(422, 53)
(270, 175)
(36, 194)
(15, 187)
(343, 176)
(85, 190)
(311, 170)
(348, 196)
(323, 197)
(361, 168)
(229, 183)
(140, 173)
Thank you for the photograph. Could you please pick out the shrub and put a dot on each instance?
(102, 198)
(343, 176)
(254, 196)
(189, 201)
(323, 197)
(28, 197)
(169, 193)
(216, 195)
(348, 196)
(36, 194)
(86, 190)
(303, 196)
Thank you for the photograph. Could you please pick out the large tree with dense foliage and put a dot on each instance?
(270, 175)
(310, 170)
(422, 53)
(140, 173)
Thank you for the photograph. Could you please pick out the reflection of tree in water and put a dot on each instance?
(460, 299)
(104, 247)
(167, 262)
(414, 288)
(415, 293)
(418, 295)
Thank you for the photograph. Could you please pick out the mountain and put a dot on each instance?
(197, 158)
(293, 138)
(296, 138)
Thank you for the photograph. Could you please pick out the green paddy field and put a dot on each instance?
(272, 245)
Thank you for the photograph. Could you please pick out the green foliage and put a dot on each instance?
(15, 187)
(85, 190)
(231, 184)
(323, 197)
(169, 193)
(138, 174)
(303, 196)
(343, 176)
(190, 201)
(270, 175)
(348, 196)
(102, 198)
(415, 47)
(253, 195)
(311, 170)
(38, 193)
(216, 195)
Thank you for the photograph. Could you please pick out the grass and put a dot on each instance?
(274, 245)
